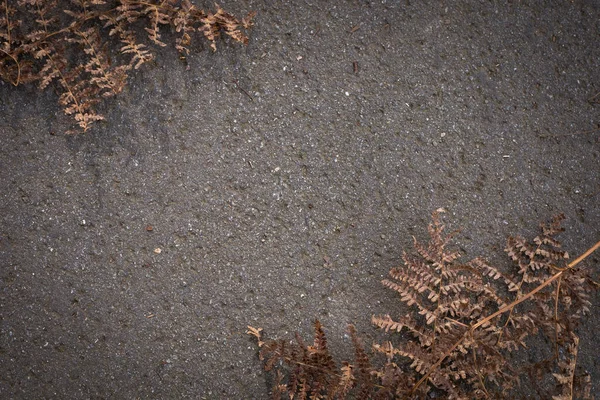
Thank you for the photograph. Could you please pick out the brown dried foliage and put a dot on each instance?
(466, 323)
(88, 47)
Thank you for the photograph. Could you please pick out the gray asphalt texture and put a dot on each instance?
(281, 182)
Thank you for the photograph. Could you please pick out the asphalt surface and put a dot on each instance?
(279, 182)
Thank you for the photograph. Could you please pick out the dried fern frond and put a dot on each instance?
(479, 314)
(139, 53)
(45, 41)
(446, 298)
(157, 15)
(311, 370)
(466, 319)
(108, 79)
(184, 21)
(568, 384)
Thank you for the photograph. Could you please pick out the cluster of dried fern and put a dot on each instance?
(89, 46)
(467, 321)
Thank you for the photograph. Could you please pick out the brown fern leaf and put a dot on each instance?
(553, 228)
(82, 11)
(79, 98)
(139, 54)
(417, 330)
(44, 43)
(431, 283)
(53, 64)
(78, 95)
(129, 11)
(184, 21)
(44, 11)
(311, 371)
(157, 14)
(347, 381)
(363, 375)
(230, 25)
(210, 29)
(213, 23)
(257, 333)
(109, 80)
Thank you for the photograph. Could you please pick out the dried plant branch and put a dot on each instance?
(90, 46)
(467, 320)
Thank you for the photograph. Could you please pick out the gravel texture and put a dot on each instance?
(279, 182)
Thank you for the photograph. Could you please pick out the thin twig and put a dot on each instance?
(235, 82)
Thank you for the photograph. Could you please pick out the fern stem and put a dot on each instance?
(556, 318)
(584, 255)
(16, 82)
